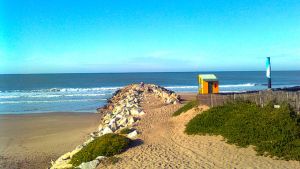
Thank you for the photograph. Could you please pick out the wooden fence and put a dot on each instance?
(259, 97)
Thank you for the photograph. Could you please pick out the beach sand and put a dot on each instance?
(163, 144)
(32, 140)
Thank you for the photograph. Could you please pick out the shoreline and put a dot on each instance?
(186, 96)
(45, 113)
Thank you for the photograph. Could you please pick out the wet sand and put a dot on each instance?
(32, 140)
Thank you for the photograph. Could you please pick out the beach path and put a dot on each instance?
(164, 145)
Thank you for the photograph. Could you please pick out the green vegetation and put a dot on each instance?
(186, 107)
(106, 145)
(126, 131)
(274, 132)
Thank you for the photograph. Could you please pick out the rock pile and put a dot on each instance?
(122, 111)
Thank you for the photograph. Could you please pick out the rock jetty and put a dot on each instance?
(123, 110)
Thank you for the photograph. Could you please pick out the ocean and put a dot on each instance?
(84, 92)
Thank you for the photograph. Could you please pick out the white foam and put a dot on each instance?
(181, 87)
(66, 90)
(49, 101)
(38, 96)
(234, 91)
(9, 97)
(76, 95)
(80, 89)
(238, 85)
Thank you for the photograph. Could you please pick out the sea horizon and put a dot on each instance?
(147, 72)
(84, 92)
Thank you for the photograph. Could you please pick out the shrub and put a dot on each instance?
(126, 131)
(106, 145)
(273, 132)
(186, 107)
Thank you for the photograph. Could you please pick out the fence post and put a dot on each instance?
(260, 100)
(211, 100)
(298, 101)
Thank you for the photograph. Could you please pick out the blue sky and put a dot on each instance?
(137, 36)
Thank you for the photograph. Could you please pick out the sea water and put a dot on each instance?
(32, 93)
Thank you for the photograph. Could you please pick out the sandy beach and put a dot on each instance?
(33, 140)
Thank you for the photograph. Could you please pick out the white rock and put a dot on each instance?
(100, 157)
(276, 106)
(132, 135)
(66, 156)
(107, 130)
(142, 112)
(131, 120)
(74, 152)
(89, 165)
(123, 121)
(136, 112)
(88, 141)
(119, 116)
(59, 164)
(112, 121)
(100, 127)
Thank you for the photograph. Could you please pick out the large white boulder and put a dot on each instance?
(132, 135)
(136, 112)
(123, 122)
(131, 120)
(107, 130)
(89, 165)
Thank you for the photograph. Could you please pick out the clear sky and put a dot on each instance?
(136, 36)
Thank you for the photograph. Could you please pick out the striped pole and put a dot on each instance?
(268, 72)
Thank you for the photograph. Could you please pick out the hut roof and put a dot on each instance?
(208, 77)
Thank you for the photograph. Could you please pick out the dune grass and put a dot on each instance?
(273, 132)
(186, 107)
(106, 145)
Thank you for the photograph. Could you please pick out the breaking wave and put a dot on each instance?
(49, 101)
(181, 87)
(239, 85)
(67, 89)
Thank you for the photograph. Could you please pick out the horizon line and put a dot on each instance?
(147, 72)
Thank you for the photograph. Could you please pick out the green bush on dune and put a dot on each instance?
(186, 107)
(274, 132)
(106, 145)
